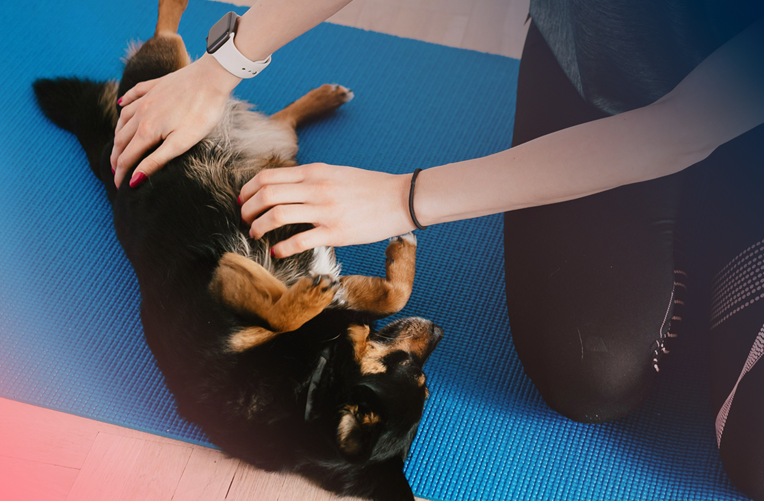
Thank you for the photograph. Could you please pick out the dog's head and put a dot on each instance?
(378, 419)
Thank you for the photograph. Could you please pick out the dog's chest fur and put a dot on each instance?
(244, 143)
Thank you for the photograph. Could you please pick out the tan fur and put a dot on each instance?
(369, 354)
(248, 337)
(411, 341)
(347, 425)
(351, 423)
(245, 286)
(108, 103)
(170, 12)
(315, 103)
(250, 289)
(388, 295)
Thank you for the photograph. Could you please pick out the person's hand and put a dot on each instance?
(346, 205)
(178, 110)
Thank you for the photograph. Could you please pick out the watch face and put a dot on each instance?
(219, 33)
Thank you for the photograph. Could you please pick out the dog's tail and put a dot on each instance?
(83, 107)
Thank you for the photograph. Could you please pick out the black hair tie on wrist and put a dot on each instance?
(411, 200)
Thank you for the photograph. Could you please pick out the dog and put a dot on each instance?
(277, 360)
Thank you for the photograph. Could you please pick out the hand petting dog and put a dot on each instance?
(338, 201)
(177, 110)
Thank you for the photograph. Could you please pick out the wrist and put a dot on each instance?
(250, 40)
(401, 185)
(216, 75)
(420, 206)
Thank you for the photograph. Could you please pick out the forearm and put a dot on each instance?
(266, 27)
(721, 99)
(565, 165)
(270, 24)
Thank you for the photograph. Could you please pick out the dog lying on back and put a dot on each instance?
(275, 359)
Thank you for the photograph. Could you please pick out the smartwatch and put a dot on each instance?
(220, 45)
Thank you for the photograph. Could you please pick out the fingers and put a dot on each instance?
(123, 133)
(172, 147)
(281, 215)
(301, 242)
(121, 139)
(142, 141)
(271, 176)
(126, 152)
(125, 115)
(137, 91)
(274, 194)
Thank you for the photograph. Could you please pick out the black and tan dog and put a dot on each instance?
(275, 359)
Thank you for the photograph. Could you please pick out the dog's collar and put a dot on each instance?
(315, 379)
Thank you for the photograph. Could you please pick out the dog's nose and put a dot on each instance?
(436, 336)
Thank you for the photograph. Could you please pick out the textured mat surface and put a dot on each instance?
(70, 336)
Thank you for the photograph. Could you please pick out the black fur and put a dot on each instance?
(251, 404)
(76, 105)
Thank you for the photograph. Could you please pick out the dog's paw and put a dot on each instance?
(317, 289)
(325, 282)
(401, 249)
(343, 93)
(408, 237)
(332, 96)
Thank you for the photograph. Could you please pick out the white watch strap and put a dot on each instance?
(235, 62)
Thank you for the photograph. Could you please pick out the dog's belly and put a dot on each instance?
(243, 144)
(254, 135)
(240, 146)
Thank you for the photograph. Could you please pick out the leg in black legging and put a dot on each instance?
(736, 248)
(590, 282)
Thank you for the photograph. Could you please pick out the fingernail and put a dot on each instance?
(238, 200)
(113, 171)
(137, 179)
(273, 253)
(119, 101)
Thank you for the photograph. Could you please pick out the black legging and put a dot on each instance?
(595, 286)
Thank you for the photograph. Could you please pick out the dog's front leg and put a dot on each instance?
(250, 290)
(384, 296)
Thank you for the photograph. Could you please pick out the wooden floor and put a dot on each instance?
(47, 455)
(51, 456)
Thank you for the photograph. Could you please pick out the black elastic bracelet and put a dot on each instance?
(411, 200)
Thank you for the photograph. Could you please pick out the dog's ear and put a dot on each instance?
(360, 425)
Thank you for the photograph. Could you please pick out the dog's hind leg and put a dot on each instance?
(251, 291)
(384, 296)
(164, 53)
(170, 12)
(314, 104)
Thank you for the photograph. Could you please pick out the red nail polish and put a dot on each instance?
(113, 171)
(273, 253)
(238, 200)
(119, 101)
(137, 179)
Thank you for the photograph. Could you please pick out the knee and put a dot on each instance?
(743, 460)
(605, 389)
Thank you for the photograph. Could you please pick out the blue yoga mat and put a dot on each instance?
(70, 335)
